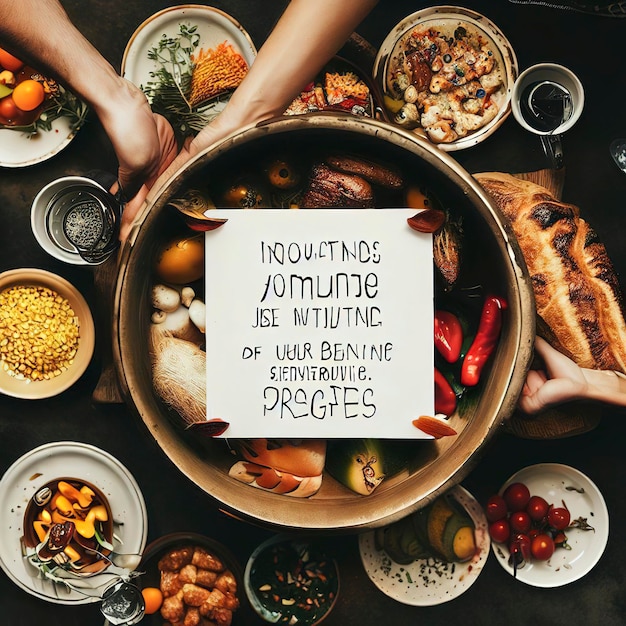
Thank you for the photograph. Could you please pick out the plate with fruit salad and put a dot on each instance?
(38, 116)
(431, 556)
(548, 524)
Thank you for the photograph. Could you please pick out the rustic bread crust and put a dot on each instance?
(576, 288)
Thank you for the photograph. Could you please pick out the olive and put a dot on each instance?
(282, 175)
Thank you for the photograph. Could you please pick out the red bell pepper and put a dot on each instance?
(485, 341)
(445, 398)
(448, 335)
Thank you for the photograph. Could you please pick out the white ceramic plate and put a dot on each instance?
(427, 582)
(20, 149)
(561, 483)
(71, 459)
(214, 27)
(448, 18)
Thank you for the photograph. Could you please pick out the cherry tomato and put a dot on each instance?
(516, 496)
(520, 545)
(8, 110)
(495, 508)
(542, 547)
(559, 518)
(520, 522)
(537, 508)
(28, 94)
(9, 62)
(500, 531)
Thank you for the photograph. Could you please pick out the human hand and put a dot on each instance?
(170, 162)
(127, 119)
(561, 381)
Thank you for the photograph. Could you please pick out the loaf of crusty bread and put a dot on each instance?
(577, 292)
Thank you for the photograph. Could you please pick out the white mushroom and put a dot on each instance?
(158, 317)
(187, 294)
(165, 298)
(197, 314)
(178, 324)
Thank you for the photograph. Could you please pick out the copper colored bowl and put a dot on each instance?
(438, 465)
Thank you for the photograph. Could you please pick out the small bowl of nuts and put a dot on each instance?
(291, 581)
(47, 334)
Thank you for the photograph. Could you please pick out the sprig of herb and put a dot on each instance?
(169, 88)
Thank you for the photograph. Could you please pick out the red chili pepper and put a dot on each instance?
(445, 398)
(448, 335)
(485, 340)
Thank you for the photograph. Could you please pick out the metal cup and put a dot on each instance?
(76, 220)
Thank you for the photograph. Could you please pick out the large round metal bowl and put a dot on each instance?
(438, 464)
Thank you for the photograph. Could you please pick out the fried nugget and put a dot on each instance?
(176, 559)
(170, 584)
(192, 617)
(188, 574)
(172, 608)
(205, 560)
(194, 595)
(206, 578)
(226, 582)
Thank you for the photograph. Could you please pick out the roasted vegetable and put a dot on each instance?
(485, 341)
(445, 396)
(357, 463)
(440, 530)
(448, 335)
(450, 530)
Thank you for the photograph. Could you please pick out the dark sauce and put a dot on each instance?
(545, 105)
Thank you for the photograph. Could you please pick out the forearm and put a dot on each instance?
(40, 32)
(308, 34)
(605, 386)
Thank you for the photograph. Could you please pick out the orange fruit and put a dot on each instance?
(9, 62)
(28, 95)
(153, 599)
(182, 261)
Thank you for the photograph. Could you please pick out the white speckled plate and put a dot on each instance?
(446, 19)
(427, 582)
(561, 483)
(19, 149)
(214, 27)
(72, 459)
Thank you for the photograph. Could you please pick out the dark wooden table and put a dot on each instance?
(593, 48)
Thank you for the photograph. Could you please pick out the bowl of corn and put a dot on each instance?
(47, 334)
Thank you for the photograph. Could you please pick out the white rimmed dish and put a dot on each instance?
(19, 149)
(557, 484)
(446, 18)
(25, 388)
(44, 464)
(427, 582)
(213, 25)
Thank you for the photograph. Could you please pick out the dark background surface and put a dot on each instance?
(593, 48)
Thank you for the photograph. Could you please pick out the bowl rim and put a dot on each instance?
(290, 539)
(480, 23)
(260, 507)
(36, 390)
